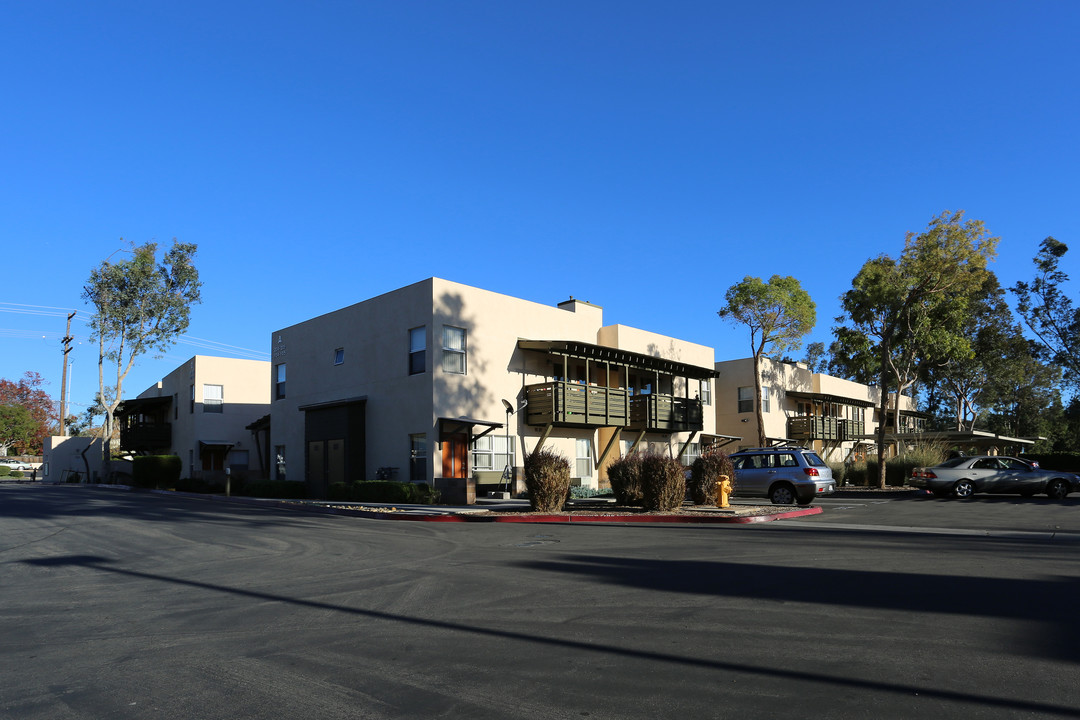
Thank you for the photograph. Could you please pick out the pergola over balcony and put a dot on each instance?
(822, 427)
(144, 425)
(564, 403)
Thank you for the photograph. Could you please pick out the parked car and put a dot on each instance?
(785, 475)
(15, 464)
(962, 477)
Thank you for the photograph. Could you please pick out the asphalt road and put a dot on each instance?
(125, 605)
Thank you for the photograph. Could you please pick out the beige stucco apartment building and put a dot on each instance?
(438, 382)
(202, 411)
(835, 417)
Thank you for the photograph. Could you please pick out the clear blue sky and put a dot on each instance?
(642, 156)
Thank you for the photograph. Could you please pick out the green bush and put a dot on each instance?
(547, 480)
(4, 470)
(581, 492)
(705, 472)
(153, 471)
(280, 489)
(383, 491)
(625, 477)
(17, 474)
(663, 483)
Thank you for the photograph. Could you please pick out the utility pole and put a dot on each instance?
(63, 382)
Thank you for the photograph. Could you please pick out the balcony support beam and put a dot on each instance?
(612, 444)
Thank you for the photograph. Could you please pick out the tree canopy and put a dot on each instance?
(903, 312)
(140, 306)
(779, 314)
(1049, 312)
(27, 393)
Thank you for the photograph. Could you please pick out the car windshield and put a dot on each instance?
(813, 460)
(955, 462)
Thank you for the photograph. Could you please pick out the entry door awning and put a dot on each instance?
(459, 425)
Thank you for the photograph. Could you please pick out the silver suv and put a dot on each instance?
(785, 475)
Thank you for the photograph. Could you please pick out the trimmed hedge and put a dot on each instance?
(624, 475)
(663, 483)
(5, 470)
(547, 480)
(153, 471)
(705, 472)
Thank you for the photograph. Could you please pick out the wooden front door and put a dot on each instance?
(455, 456)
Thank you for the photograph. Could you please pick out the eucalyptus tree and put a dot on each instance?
(140, 306)
(905, 311)
(778, 313)
(1049, 312)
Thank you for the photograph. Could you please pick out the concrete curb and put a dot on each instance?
(464, 516)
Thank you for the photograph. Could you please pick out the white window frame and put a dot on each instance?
(455, 354)
(583, 461)
(489, 453)
(209, 401)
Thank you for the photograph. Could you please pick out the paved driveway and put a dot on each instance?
(126, 605)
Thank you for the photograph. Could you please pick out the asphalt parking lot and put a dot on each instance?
(132, 605)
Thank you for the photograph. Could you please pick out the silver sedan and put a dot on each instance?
(964, 476)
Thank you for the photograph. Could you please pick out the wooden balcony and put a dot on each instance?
(567, 404)
(146, 436)
(824, 428)
(665, 413)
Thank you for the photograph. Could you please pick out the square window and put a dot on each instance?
(213, 398)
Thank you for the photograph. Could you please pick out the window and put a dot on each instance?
(417, 350)
(489, 453)
(176, 406)
(692, 452)
(746, 399)
(453, 358)
(279, 386)
(764, 399)
(706, 392)
(339, 356)
(279, 461)
(583, 464)
(418, 457)
(191, 409)
(213, 398)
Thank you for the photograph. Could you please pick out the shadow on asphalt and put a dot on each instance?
(686, 577)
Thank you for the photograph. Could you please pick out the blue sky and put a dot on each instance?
(642, 156)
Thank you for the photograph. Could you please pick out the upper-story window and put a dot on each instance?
(746, 399)
(706, 392)
(417, 350)
(453, 356)
(279, 381)
(339, 356)
(765, 399)
(213, 398)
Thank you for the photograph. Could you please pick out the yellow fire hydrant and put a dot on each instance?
(723, 489)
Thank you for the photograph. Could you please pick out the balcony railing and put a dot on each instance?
(567, 404)
(138, 436)
(824, 428)
(665, 413)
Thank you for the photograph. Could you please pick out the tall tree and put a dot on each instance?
(27, 393)
(1049, 312)
(910, 309)
(140, 306)
(779, 314)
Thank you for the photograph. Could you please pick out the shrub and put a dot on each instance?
(1064, 461)
(4, 470)
(547, 480)
(152, 471)
(625, 477)
(705, 472)
(17, 474)
(663, 483)
(581, 492)
(384, 491)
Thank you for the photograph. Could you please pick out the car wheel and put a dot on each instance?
(963, 488)
(1057, 489)
(782, 495)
